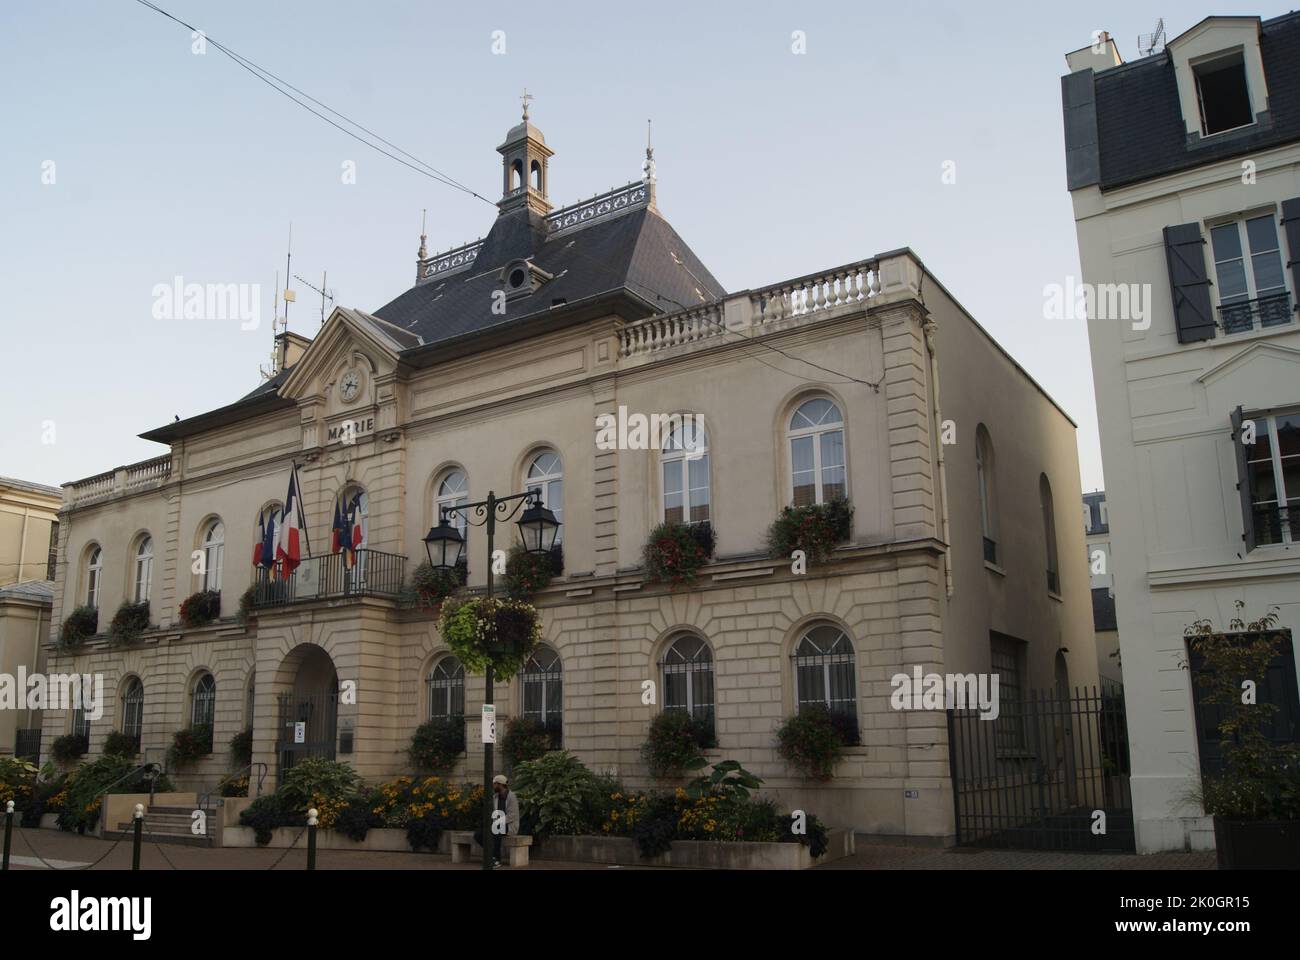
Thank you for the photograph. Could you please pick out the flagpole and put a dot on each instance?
(302, 517)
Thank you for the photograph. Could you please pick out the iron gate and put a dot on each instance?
(1037, 775)
(318, 714)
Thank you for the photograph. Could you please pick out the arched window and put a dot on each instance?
(984, 478)
(203, 701)
(542, 680)
(537, 176)
(94, 573)
(546, 474)
(81, 723)
(685, 461)
(816, 453)
(214, 554)
(824, 671)
(352, 509)
(143, 568)
(516, 174)
(133, 710)
(451, 491)
(1049, 533)
(265, 533)
(446, 684)
(687, 670)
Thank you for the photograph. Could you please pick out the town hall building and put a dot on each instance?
(866, 381)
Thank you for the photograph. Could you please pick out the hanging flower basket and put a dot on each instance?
(815, 529)
(430, 587)
(129, 623)
(481, 631)
(200, 609)
(528, 572)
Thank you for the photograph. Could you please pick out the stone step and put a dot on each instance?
(185, 839)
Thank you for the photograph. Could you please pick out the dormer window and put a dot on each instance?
(522, 277)
(1223, 94)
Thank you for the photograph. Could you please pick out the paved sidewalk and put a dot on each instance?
(66, 850)
(899, 857)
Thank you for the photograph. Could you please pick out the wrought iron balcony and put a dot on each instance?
(329, 577)
(1273, 523)
(1272, 310)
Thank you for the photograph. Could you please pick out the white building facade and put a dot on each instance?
(1184, 171)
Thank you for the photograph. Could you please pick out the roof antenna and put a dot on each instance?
(269, 372)
(324, 291)
(289, 295)
(1148, 42)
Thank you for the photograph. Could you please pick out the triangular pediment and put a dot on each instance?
(1253, 353)
(351, 342)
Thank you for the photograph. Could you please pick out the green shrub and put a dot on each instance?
(200, 609)
(811, 742)
(129, 623)
(85, 788)
(69, 747)
(556, 789)
(17, 782)
(437, 744)
(676, 738)
(234, 786)
(674, 552)
(526, 739)
(815, 529)
(118, 744)
(81, 624)
(657, 826)
(315, 778)
(190, 745)
(268, 812)
(241, 749)
(423, 833)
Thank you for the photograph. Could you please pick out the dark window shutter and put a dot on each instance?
(1291, 226)
(1243, 481)
(1189, 283)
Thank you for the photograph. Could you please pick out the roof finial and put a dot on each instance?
(526, 98)
(424, 251)
(648, 168)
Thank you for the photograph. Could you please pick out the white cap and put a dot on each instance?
(500, 778)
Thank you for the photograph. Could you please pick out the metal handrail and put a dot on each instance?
(203, 799)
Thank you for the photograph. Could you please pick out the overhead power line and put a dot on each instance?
(283, 87)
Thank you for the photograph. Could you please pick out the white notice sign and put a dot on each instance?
(489, 723)
(300, 732)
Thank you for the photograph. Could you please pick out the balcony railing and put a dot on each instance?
(146, 475)
(329, 577)
(1273, 310)
(1272, 524)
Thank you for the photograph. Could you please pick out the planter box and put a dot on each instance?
(705, 854)
(1257, 844)
(385, 839)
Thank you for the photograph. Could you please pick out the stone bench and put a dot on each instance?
(464, 849)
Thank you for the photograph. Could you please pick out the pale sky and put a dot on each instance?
(771, 165)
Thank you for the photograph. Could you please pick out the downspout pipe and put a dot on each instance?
(930, 328)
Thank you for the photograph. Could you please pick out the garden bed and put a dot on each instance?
(700, 854)
(379, 839)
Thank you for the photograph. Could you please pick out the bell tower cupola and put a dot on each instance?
(524, 157)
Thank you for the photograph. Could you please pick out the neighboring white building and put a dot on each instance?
(1096, 527)
(1184, 171)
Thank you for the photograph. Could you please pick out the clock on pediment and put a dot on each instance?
(350, 384)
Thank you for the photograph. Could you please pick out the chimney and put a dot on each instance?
(1101, 55)
(289, 348)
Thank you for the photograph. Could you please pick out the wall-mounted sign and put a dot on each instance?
(300, 732)
(489, 723)
(349, 431)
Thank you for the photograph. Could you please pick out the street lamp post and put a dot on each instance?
(445, 545)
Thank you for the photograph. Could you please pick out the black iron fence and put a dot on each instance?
(1064, 787)
(27, 745)
(365, 573)
(308, 728)
(1268, 311)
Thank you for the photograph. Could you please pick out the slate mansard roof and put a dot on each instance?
(613, 253)
(1124, 125)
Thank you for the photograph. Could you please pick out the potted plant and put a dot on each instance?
(129, 623)
(526, 739)
(78, 626)
(815, 529)
(437, 744)
(674, 552)
(190, 745)
(1254, 795)
(813, 740)
(430, 587)
(200, 609)
(675, 742)
(246, 600)
(70, 747)
(118, 744)
(527, 572)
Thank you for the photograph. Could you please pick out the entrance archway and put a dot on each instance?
(308, 709)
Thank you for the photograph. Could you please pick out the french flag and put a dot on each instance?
(268, 540)
(261, 538)
(339, 532)
(288, 548)
(354, 541)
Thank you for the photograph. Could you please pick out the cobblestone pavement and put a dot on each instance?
(66, 850)
(900, 857)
